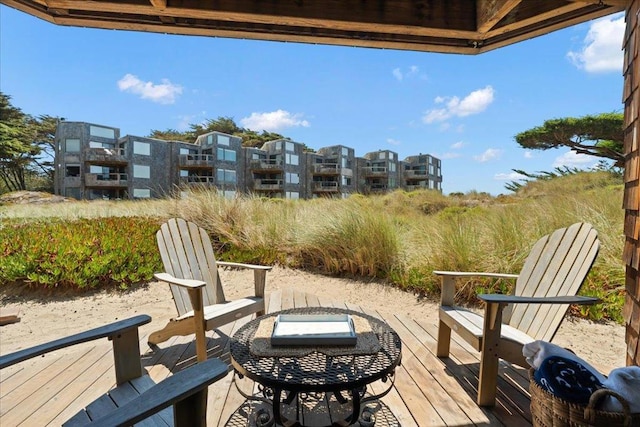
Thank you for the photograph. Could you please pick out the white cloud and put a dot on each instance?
(393, 141)
(414, 70)
(457, 145)
(573, 159)
(474, 103)
(528, 154)
(512, 176)
(602, 47)
(273, 121)
(489, 154)
(162, 93)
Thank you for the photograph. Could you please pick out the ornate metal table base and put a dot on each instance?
(363, 406)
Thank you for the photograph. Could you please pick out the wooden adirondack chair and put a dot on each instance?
(547, 284)
(179, 400)
(192, 272)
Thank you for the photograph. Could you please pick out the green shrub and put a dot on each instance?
(80, 254)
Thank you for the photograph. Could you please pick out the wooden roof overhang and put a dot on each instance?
(450, 26)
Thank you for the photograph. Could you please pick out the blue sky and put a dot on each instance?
(463, 109)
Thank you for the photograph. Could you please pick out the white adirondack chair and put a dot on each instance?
(191, 270)
(547, 284)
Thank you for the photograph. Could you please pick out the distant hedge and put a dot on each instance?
(79, 254)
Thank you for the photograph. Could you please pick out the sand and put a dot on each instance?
(46, 317)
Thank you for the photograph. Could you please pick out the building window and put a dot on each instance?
(392, 167)
(102, 132)
(229, 194)
(346, 180)
(293, 178)
(141, 193)
(292, 195)
(72, 145)
(345, 151)
(142, 148)
(72, 170)
(292, 159)
(223, 140)
(226, 175)
(226, 155)
(278, 146)
(186, 151)
(141, 171)
(289, 146)
(72, 192)
(382, 155)
(209, 139)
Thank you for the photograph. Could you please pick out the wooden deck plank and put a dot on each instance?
(457, 399)
(427, 390)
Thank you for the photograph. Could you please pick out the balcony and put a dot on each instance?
(420, 185)
(106, 180)
(325, 187)
(267, 184)
(197, 180)
(326, 169)
(416, 174)
(266, 165)
(106, 156)
(196, 161)
(376, 188)
(375, 171)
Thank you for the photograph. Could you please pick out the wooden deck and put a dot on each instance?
(428, 391)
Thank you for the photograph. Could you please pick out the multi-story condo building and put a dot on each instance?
(94, 162)
(422, 171)
(278, 169)
(331, 172)
(378, 172)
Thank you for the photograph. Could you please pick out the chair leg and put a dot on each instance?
(444, 340)
(488, 382)
(191, 411)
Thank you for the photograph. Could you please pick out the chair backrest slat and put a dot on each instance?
(187, 253)
(556, 266)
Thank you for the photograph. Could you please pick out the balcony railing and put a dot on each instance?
(266, 164)
(326, 169)
(107, 156)
(418, 185)
(267, 184)
(105, 179)
(416, 173)
(375, 171)
(195, 179)
(196, 160)
(329, 186)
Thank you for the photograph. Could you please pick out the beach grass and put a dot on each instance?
(400, 237)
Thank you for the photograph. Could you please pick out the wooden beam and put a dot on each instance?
(619, 3)
(452, 21)
(490, 12)
(159, 4)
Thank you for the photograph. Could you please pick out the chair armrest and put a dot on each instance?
(168, 392)
(110, 330)
(187, 283)
(241, 265)
(512, 299)
(448, 281)
(475, 273)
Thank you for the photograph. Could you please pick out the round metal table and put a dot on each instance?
(283, 378)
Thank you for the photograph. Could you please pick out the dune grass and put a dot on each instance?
(400, 237)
